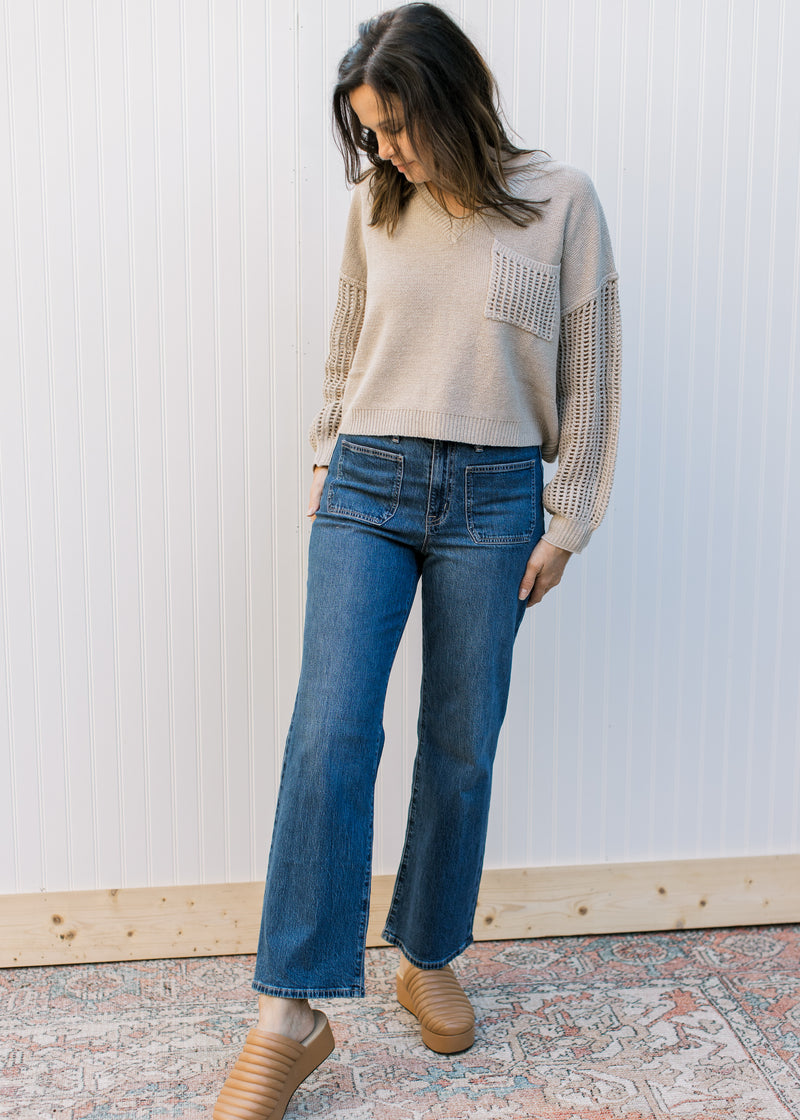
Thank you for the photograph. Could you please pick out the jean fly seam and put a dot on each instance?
(437, 522)
(430, 491)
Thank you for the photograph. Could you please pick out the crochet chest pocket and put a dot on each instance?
(523, 292)
(366, 483)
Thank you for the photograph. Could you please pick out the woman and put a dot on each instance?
(476, 333)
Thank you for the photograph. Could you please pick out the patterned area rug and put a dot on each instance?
(703, 1025)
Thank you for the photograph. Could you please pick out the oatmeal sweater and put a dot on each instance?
(480, 331)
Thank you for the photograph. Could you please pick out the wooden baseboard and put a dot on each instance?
(147, 923)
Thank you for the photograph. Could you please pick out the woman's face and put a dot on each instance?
(391, 135)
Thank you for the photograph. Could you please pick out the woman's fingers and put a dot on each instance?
(543, 571)
(317, 483)
(529, 579)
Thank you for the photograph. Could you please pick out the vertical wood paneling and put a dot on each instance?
(259, 788)
(79, 743)
(86, 66)
(681, 312)
(179, 772)
(171, 215)
(52, 474)
(286, 439)
(231, 411)
(11, 474)
(203, 371)
(18, 475)
(783, 806)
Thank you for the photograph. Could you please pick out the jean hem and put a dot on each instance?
(307, 993)
(393, 939)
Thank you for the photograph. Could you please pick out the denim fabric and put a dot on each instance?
(393, 510)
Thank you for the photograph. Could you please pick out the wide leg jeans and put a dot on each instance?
(394, 511)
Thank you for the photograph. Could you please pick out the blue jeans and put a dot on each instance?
(463, 519)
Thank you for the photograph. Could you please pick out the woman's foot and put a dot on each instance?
(440, 1004)
(273, 1063)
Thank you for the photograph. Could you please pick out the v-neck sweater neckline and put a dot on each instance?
(451, 226)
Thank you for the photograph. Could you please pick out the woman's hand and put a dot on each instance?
(316, 491)
(544, 570)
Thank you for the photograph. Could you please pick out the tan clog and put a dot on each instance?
(440, 1004)
(269, 1069)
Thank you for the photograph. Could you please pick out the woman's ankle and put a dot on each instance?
(293, 1018)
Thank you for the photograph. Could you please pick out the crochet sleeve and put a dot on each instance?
(587, 380)
(348, 319)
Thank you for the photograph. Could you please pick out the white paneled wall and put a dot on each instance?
(171, 215)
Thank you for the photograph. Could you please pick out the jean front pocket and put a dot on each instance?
(523, 292)
(501, 501)
(366, 484)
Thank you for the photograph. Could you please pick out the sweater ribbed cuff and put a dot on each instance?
(324, 452)
(563, 532)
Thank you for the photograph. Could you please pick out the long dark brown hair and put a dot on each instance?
(427, 75)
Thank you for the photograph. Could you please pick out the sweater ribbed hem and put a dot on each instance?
(478, 430)
(563, 532)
